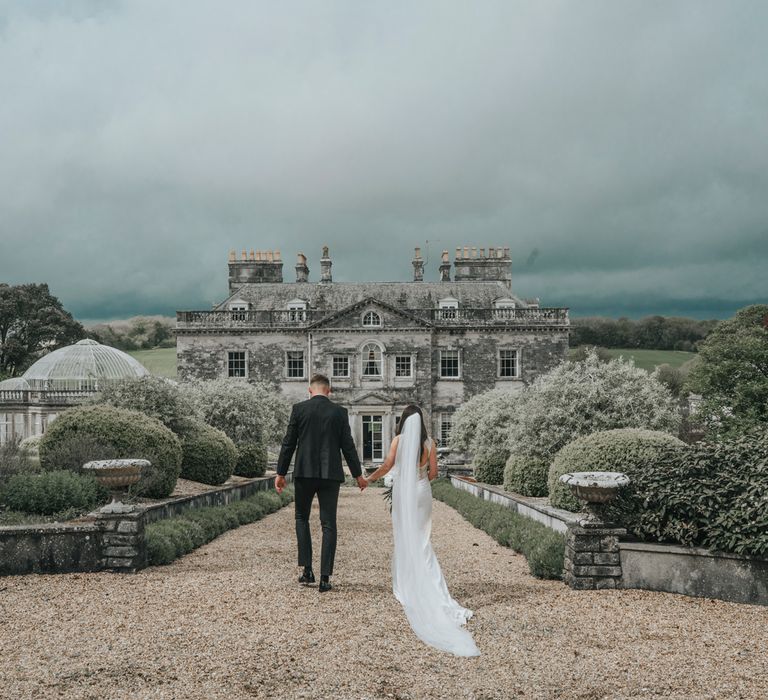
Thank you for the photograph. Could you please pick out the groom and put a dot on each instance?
(320, 428)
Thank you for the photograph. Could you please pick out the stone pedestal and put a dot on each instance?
(592, 558)
(123, 544)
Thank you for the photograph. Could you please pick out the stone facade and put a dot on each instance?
(383, 345)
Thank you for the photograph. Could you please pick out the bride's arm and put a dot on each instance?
(433, 461)
(388, 463)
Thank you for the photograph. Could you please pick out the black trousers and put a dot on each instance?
(328, 497)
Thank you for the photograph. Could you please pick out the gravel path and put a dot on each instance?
(228, 621)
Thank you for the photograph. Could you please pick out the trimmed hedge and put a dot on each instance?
(251, 459)
(208, 455)
(543, 548)
(101, 432)
(52, 492)
(630, 450)
(526, 475)
(170, 539)
(488, 465)
(713, 495)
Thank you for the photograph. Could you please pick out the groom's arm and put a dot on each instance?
(289, 444)
(348, 448)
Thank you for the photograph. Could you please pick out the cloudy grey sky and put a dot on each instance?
(619, 148)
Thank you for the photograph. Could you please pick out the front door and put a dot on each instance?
(373, 443)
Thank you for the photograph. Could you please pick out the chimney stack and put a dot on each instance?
(254, 267)
(445, 267)
(495, 266)
(418, 266)
(302, 271)
(325, 267)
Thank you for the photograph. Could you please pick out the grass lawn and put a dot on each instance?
(160, 361)
(649, 359)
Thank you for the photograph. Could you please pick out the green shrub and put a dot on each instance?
(15, 459)
(634, 452)
(251, 459)
(208, 455)
(543, 548)
(488, 465)
(170, 539)
(156, 397)
(713, 495)
(546, 554)
(84, 433)
(526, 475)
(580, 398)
(52, 492)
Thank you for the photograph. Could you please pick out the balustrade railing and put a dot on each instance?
(299, 318)
(57, 396)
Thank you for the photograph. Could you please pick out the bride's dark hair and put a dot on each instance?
(410, 409)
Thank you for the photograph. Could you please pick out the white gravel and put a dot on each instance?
(229, 621)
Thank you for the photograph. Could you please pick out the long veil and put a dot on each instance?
(417, 581)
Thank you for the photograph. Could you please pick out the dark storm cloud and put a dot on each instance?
(619, 149)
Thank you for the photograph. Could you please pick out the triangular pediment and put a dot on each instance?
(373, 398)
(352, 315)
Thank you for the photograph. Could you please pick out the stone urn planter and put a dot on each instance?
(595, 489)
(116, 475)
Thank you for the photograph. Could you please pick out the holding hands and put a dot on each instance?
(362, 482)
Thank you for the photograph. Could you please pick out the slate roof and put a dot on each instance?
(339, 295)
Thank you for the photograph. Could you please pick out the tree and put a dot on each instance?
(732, 372)
(578, 398)
(32, 322)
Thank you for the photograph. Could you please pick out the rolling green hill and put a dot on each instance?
(649, 359)
(160, 361)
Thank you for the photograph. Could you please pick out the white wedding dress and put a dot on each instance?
(417, 580)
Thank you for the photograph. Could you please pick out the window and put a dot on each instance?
(295, 362)
(371, 319)
(508, 363)
(446, 421)
(403, 366)
(238, 309)
(297, 310)
(236, 364)
(505, 303)
(340, 366)
(449, 363)
(371, 356)
(449, 308)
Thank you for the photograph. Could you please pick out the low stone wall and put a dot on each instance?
(534, 508)
(105, 541)
(695, 572)
(604, 558)
(49, 548)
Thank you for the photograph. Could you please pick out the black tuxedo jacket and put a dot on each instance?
(320, 428)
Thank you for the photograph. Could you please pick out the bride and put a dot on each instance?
(417, 580)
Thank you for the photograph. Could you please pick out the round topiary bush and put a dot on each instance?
(526, 475)
(101, 432)
(251, 459)
(208, 455)
(632, 451)
(488, 465)
(52, 492)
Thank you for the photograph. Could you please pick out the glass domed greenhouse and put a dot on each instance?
(58, 380)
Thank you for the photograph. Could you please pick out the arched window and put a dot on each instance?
(371, 319)
(371, 357)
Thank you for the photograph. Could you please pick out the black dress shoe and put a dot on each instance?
(325, 585)
(306, 578)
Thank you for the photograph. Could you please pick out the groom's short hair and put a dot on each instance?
(320, 380)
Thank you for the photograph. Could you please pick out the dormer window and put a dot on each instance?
(371, 320)
(297, 309)
(238, 307)
(505, 303)
(449, 307)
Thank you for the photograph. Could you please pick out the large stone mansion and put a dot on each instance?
(383, 344)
